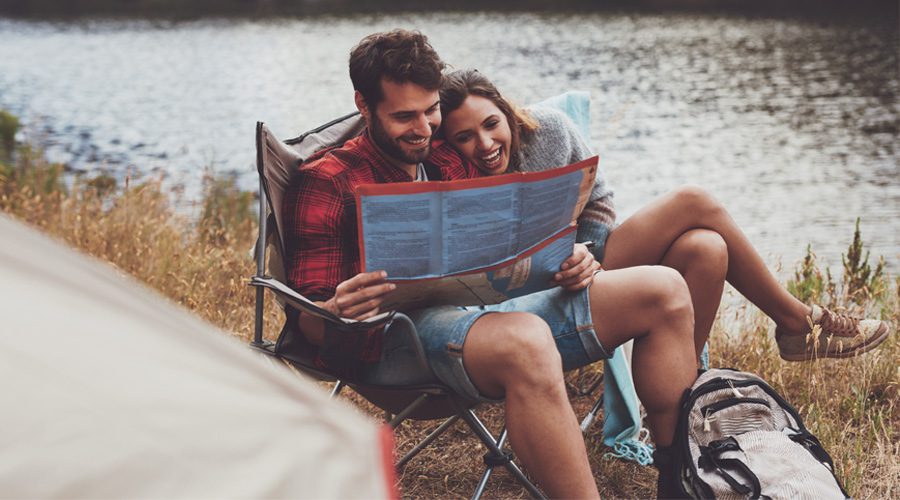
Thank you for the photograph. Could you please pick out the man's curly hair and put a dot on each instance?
(400, 56)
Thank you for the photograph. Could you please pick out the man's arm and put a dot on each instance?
(318, 263)
(359, 298)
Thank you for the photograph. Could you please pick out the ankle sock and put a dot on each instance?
(816, 313)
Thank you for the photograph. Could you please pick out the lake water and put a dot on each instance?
(793, 124)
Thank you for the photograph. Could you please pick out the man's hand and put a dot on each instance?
(360, 297)
(578, 270)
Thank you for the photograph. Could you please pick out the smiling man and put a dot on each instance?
(404, 134)
(515, 350)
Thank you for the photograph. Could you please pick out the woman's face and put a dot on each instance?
(480, 132)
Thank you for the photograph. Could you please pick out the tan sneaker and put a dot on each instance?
(833, 335)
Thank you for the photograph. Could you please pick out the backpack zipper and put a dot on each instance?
(721, 405)
(708, 410)
(734, 390)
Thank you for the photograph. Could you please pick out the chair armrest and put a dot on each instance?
(302, 303)
(387, 318)
(412, 338)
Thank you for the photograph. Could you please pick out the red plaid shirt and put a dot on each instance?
(319, 213)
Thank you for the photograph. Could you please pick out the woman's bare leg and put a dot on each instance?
(701, 257)
(648, 235)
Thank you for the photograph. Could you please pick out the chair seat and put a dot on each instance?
(390, 396)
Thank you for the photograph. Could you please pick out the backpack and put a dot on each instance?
(738, 438)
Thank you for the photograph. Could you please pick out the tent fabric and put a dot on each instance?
(111, 391)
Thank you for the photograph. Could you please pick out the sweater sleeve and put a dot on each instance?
(558, 142)
(598, 218)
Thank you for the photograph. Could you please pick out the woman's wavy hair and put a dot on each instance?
(462, 83)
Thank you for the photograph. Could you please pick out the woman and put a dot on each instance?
(687, 229)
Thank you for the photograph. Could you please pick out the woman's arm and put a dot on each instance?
(558, 142)
(599, 215)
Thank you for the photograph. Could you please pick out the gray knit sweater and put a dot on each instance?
(557, 143)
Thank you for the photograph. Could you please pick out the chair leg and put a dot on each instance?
(591, 415)
(425, 442)
(337, 388)
(496, 456)
(406, 411)
(479, 490)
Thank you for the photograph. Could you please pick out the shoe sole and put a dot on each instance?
(867, 346)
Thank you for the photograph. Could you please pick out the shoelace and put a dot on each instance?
(841, 325)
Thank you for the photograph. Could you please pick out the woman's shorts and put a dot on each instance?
(443, 331)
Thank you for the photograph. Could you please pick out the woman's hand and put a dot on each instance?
(578, 270)
(360, 297)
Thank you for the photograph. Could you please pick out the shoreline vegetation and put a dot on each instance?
(852, 405)
(193, 9)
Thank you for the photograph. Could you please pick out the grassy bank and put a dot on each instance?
(851, 405)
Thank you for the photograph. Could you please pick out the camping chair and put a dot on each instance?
(404, 385)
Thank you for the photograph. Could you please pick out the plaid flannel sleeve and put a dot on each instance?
(319, 259)
(313, 211)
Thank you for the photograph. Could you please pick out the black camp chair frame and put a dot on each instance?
(401, 401)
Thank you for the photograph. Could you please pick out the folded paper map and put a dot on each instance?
(473, 241)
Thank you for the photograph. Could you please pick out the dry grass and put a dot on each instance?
(851, 405)
(201, 265)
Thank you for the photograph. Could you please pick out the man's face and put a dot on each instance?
(402, 125)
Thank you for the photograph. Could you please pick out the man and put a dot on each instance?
(515, 350)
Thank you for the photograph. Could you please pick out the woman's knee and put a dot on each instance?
(697, 201)
(702, 249)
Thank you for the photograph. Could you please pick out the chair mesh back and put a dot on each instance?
(333, 133)
(277, 160)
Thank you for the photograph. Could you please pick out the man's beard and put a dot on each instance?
(391, 147)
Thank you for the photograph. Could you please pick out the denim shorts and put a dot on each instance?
(443, 332)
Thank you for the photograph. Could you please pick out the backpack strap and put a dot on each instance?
(710, 460)
(809, 441)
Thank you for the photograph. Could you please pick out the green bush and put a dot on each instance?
(9, 126)
(227, 210)
(102, 185)
(809, 284)
(32, 173)
(860, 282)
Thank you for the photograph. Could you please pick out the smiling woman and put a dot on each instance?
(480, 130)
(686, 229)
(498, 137)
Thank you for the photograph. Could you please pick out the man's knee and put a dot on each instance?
(513, 348)
(671, 295)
